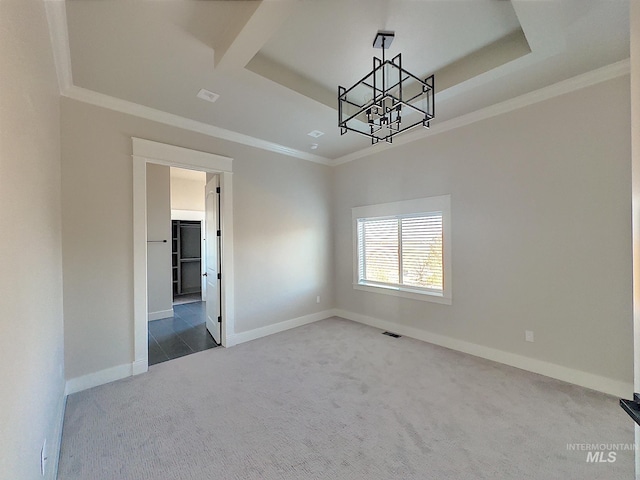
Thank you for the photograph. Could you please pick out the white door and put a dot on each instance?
(203, 259)
(212, 245)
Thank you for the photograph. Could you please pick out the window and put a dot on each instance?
(403, 248)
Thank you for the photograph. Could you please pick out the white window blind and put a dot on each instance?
(421, 243)
(403, 250)
(379, 251)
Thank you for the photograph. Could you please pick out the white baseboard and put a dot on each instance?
(140, 366)
(613, 387)
(91, 380)
(610, 386)
(160, 314)
(112, 374)
(54, 451)
(279, 327)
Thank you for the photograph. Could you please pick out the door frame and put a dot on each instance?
(147, 151)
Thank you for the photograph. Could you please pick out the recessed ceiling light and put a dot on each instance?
(315, 133)
(207, 95)
(313, 146)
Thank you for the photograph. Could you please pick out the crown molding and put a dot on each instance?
(58, 30)
(578, 82)
(59, 34)
(137, 110)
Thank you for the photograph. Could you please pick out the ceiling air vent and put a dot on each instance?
(389, 334)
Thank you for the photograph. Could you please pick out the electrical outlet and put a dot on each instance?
(318, 299)
(528, 335)
(43, 458)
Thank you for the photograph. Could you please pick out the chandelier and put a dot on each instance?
(387, 101)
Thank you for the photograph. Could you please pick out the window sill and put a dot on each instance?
(396, 292)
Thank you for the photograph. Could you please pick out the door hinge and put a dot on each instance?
(219, 233)
(219, 276)
(217, 189)
(219, 319)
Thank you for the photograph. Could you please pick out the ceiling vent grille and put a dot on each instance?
(390, 334)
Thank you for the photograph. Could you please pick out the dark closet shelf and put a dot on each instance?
(186, 258)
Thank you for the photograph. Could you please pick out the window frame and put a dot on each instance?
(421, 206)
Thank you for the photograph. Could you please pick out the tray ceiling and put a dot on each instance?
(276, 64)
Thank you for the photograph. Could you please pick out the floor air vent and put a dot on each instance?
(394, 335)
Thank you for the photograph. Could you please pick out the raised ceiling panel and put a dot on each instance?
(331, 41)
(158, 54)
(277, 64)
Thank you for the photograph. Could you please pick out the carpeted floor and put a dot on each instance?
(338, 400)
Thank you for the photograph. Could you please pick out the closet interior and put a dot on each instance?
(186, 257)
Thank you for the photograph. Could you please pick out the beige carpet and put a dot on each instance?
(338, 400)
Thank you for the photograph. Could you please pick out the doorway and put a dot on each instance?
(176, 204)
(144, 152)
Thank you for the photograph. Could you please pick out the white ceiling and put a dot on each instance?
(276, 64)
(330, 41)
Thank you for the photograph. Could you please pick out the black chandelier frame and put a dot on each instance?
(383, 112)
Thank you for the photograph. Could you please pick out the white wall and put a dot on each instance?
(31, 326)
(187, 194)
(541, 210)
(635, 139)
(635, 146)
(282, 238)
(159, 266)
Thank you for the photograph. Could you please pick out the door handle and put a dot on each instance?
(204, 274)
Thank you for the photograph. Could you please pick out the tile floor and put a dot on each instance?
(187, 298)
(181, 335)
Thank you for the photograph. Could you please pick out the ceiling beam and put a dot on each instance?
(57, 19)
(286, 77)
(264, 22)
(502, 51)
(541, 23)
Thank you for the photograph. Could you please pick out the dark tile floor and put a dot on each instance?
(187, 298)
(181, 335)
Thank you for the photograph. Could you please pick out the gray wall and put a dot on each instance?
(635, 127)
(31, 326)
(541, 217)
(282, 237)
(159, 266)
